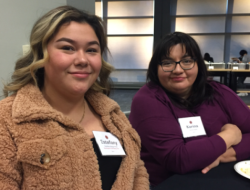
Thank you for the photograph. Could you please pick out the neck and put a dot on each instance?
(73, 107)
(183, 95)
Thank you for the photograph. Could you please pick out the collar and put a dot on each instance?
(30, 105)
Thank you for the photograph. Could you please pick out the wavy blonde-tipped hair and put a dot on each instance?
(29, 68)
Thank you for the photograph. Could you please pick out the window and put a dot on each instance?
(219, 27)
(130, 29)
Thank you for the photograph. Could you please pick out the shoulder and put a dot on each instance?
(6, 114)
(148, 93)
(6, 106)
(150, 101)
(225, 95)
(101, 103)
(221, 88)
(246, 58)
(8, 101)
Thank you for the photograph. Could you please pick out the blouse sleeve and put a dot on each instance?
(162, 137)
(239, 115)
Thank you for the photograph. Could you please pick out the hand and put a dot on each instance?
(235, 59)
(214, 164)
(231, 134)
(228, 156)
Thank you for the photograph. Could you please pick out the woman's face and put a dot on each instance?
(74, 60)
(178, 81)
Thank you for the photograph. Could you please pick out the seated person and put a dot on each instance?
(58, 97)
(169, 110)
(244, 58)
(208, 58)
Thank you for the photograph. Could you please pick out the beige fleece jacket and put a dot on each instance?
(30, 127)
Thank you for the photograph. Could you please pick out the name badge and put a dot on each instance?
(191, 126)
(210, 67)
(109, 144)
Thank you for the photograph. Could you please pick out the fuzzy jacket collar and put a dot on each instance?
(30, 105)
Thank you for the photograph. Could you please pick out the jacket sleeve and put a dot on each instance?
(10, 169)
(141, 177)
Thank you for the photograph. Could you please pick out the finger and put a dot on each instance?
(205, 170)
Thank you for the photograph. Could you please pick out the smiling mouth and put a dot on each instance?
(80, 75)
(178, 78)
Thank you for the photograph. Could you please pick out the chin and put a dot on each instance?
(78, 91)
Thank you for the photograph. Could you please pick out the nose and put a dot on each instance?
(81, 58)
(178, 69)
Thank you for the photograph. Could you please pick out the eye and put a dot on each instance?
(167, 63)
(92, 50)
(187, 61)
(68, 48)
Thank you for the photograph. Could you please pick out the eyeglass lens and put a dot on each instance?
(169, 65)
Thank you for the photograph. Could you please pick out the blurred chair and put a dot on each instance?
(127, 113)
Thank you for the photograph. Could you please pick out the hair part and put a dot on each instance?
(201, 90)
(29, 68)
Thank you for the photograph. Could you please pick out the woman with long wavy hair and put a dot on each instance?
(56, 99)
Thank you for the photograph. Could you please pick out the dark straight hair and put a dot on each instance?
(201, 89)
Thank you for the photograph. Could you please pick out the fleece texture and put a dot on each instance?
(30, 127)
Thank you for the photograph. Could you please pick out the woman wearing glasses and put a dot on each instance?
(185, 122)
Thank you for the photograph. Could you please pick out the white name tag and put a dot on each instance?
(191, 126)
(210, 67)
(109, 144)
(235, 68)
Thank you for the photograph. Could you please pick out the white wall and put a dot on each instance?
(86, 5)
(16, 20)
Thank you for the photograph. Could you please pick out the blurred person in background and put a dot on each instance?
(244, 58)
(208, 58)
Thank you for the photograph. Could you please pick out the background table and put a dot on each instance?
(236, 73)
(222, 73)
(221, 177)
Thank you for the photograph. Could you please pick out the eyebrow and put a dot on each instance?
(181, 57)
(74, 42)
(186, 56)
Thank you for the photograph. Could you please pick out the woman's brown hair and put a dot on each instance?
(29, 68)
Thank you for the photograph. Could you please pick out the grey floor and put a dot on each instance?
(246, 87)
(246, 99)
(124, 98)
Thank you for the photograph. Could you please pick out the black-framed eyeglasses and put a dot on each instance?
(170, 65)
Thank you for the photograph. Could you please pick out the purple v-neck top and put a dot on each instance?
(165, 151)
